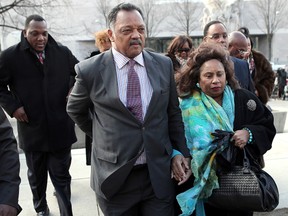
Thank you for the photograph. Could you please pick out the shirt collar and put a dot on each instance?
(37, 53)
(122, 60)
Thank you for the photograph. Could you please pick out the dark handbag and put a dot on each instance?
(245, 188)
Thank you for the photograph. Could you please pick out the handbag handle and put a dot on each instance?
(246, 162)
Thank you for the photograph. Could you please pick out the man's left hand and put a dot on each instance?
(181, 170)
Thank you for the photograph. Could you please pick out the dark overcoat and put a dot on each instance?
(263, 76)
(242, 73)
(251, 113)
(42, 90)
(9, 164)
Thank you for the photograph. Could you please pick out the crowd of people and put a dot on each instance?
(147, 116)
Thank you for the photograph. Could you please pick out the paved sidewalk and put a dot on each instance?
(83, 198)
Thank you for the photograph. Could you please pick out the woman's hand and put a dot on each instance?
(240, 138)
(181, 169)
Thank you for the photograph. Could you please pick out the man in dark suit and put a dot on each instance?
(35, 78)
(216, 32)
(9, 169)
(132, 141)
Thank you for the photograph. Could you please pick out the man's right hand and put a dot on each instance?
(20, 115)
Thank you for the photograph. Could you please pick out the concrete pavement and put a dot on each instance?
(83, 198)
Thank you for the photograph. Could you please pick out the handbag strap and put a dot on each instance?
(252, 160)
(246, 162)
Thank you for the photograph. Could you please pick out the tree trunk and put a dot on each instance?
(269, 40)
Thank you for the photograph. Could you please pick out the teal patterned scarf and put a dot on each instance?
(202, 115)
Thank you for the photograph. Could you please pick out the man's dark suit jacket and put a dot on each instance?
(118, 137)
(9, 164)
(242, 73)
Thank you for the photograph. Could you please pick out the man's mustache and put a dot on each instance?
(136, 42)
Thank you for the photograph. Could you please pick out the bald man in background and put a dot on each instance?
(237, 47)
(237, 44)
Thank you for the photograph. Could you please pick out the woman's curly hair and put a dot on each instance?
(187, 79)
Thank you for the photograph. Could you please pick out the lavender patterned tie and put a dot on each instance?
(134, 103)
(40, 56)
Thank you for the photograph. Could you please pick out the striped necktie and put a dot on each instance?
(40, 57)
(134, 102)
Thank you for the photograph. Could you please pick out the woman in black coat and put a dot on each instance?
(211, 100)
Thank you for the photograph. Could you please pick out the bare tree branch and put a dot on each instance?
(273, 15)
(152, 16)
(185, 13)
(13, 10)
(104, 7)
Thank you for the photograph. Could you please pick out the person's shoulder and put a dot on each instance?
(8, 55)
(96, 52)
(244, 93)
(240, 61)
(53, 43)
(57, 48)
(240, 65)
(62, 47)
(159, 57)
(257, 54)
(90, 62)
(260, 58)
(10, 49)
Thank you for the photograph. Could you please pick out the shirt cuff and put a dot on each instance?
(175, 152)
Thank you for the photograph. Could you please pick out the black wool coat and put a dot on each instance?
(250, 112)
(42, 90)
(9, 164)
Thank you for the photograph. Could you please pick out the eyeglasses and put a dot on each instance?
(242, 52)
(217, 36)
(184, 50)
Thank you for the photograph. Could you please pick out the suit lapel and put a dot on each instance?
(153, 70)
(108, 73)
(109, 76)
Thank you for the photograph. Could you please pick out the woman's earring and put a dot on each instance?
(197, 84)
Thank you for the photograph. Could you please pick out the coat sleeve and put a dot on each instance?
(250, 112)
(9, 164)
(79, 103)
(72, 62)
(7, 100)
(176, 125)
(264, 77)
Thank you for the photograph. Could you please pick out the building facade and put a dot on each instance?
(81, 20)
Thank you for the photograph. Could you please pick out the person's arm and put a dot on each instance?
(79, 104)
(9, 103)
(252, 114)
(181, 170)
(176, 126)
(9, 168)
(72, 62)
